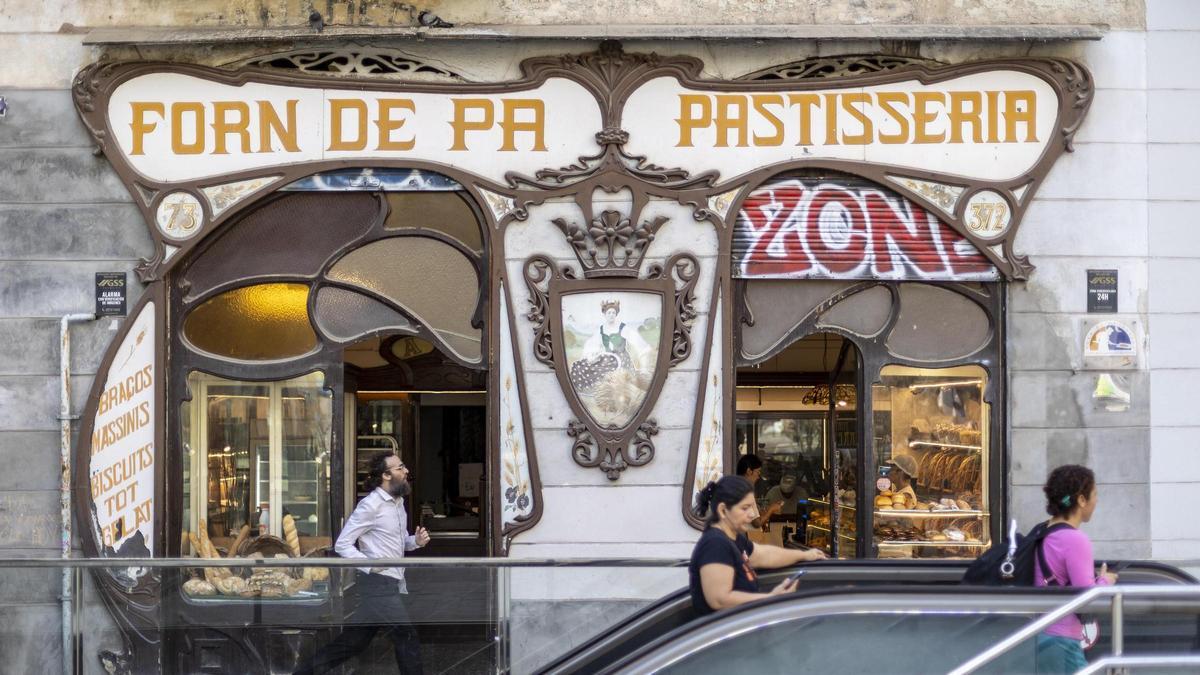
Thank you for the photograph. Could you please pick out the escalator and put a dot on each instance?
(869, 616)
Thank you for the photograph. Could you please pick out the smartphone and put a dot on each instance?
(796, 576)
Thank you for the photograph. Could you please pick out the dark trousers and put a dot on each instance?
(380, 608)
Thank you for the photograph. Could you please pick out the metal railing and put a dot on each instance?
(478, 617)
(1113, 596)
(1189, 661)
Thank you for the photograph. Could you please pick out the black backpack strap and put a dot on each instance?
(1051, 580)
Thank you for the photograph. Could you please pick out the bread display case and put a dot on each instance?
(820, 528)
(931, 498)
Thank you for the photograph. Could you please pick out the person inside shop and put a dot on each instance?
(722, 570)
(902, 470)
(786, 496)
(750, 467)
(1071, 498)
(378, 528)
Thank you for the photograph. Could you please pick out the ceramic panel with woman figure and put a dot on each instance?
(611, 342)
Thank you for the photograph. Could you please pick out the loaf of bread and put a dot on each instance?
(243, 535)
(199, 587)
(290, 535)
(293, 586)
(231, 585)
(316, 573)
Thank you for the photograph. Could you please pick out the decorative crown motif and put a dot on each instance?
(612, 246)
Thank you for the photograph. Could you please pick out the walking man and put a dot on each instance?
(378, 528)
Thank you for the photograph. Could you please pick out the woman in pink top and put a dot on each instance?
(1070, 499)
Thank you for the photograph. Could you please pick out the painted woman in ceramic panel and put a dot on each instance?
(612, 350)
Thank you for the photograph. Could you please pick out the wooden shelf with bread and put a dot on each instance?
(944, 544)
(950, 446)
(921, 513)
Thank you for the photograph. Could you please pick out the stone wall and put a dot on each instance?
(1173, 161)
(71, 16)
(1090, 214)
(63, 217)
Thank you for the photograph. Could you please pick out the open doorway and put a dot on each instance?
(797, 416)
(403, 395)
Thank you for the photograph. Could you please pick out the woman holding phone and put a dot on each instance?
(721, 573)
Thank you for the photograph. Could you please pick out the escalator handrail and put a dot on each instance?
(1114, 596)
(882, 599)
(1191, 661)
(660, 608)
(911, 599)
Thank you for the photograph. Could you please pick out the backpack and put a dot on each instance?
(1011, 562)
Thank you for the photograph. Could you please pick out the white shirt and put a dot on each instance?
(378, 528)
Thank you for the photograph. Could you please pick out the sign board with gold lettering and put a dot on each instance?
(176, 127)
(969, 142)
(122, 445)
(991, 125)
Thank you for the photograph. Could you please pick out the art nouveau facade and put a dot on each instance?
(600, 272)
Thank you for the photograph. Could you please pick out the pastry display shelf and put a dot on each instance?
(936, 444)
(819, 528)
(921, 513)
(820, 502)
(924, 542)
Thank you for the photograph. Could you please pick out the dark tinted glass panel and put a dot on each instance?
(292, 235)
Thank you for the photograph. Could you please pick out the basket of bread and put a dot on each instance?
(255, 581)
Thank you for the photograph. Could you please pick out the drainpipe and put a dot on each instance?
(65, 417)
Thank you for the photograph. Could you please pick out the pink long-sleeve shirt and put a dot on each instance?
(1068, 554)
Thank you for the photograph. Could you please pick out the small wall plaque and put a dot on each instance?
(110, 294)
(1102, 291)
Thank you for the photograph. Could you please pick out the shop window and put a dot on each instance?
(257, 470)
(931, 443)
(253, 323)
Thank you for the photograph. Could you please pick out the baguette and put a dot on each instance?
(243, 535)
(290, 534)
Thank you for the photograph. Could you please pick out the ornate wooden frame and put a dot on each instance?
(611, 76)
(612, 449)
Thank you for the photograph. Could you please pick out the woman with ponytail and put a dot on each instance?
(1066, 553)
(721, 573)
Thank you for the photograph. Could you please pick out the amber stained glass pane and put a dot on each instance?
(253, 323)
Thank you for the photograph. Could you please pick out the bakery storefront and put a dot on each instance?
(611, 264)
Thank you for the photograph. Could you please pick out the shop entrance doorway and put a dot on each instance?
(797, 413)
(404, 396)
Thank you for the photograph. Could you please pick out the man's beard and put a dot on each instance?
(399, 489)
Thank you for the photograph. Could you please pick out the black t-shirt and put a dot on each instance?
(715, 547)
